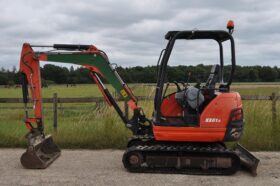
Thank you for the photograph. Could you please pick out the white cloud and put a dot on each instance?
(132, 32)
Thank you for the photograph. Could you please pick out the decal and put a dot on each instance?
(213, 120)
(123, 93)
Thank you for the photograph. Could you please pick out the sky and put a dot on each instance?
(131, 32)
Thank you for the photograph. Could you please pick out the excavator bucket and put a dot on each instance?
(40, 153)
(247, 159)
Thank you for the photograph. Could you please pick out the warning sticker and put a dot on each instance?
(123, 93)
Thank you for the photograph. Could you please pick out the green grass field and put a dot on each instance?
(91, 126)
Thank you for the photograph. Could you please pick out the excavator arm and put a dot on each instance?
(97, 62)
(30, 71)
(88, 56)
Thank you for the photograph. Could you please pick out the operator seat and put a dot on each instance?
(209, 88)
(213, 77)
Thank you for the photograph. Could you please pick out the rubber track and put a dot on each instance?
(181, 150)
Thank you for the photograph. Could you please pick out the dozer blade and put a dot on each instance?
(40, 154)
(248, 160)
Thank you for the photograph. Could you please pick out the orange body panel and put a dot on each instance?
(217, 112)
(30, 66)
(213, 120)
(188, 134)
(170, 107)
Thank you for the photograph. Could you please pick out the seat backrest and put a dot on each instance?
(213, 77)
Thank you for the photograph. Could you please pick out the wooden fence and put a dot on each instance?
(55, 100)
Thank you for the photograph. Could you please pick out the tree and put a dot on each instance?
(57, 74)
(253, 75)
(278, 71)
(268, 74)
(3, 79)
(16, 78)
(14, 69)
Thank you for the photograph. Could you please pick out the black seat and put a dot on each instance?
(213, 77)
(209, 88)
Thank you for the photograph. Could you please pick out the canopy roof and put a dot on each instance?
(218, 35)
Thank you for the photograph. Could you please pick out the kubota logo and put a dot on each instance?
(213, 120)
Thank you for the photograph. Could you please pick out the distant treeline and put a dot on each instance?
(52, 74)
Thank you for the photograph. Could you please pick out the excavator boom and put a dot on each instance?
(42, 150)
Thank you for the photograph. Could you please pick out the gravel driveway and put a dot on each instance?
(104, 167)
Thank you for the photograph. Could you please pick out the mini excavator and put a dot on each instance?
(188, 129)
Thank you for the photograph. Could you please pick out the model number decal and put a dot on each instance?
(213, 120)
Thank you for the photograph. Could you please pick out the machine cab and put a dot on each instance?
(194, 108)
(184, 105)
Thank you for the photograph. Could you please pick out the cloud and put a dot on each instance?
(132, 32)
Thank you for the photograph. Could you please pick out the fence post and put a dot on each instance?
(126, 109)
(55, 111)
(273, 99)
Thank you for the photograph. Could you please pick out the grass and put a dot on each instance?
(89, 126)
(86, 128)
(84, 90)
(260, 132)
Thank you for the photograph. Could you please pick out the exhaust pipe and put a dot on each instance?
(41, 152)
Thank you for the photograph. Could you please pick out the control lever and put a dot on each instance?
(177, 85)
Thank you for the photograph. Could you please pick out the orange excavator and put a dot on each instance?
(189, 126)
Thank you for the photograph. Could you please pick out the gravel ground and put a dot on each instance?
(104, 167)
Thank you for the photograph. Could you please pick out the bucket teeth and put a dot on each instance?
(41, 152)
